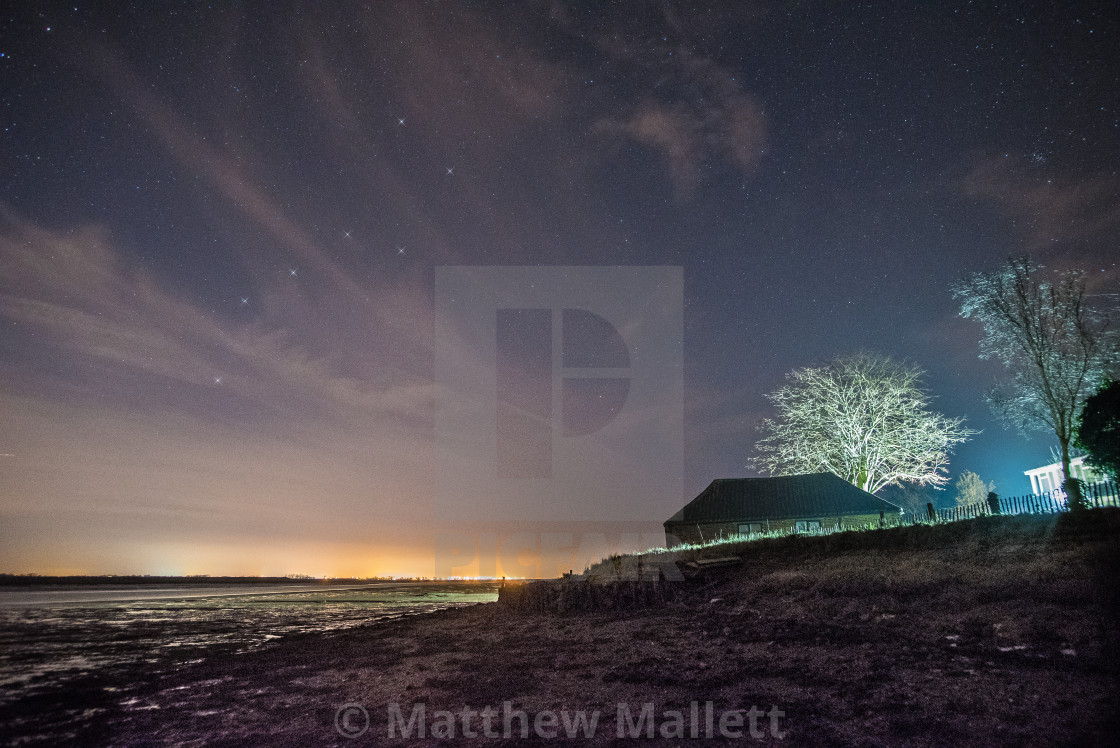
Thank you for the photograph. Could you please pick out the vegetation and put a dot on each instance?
(971, 489)
(644, 564)
(912, 498)
(1057, 348)
(913, 533)
(1098, 430)
(865, 418)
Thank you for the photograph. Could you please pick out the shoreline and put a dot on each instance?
(111, 593)
(1004, 639)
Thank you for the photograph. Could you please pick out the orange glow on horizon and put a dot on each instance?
(219, 560)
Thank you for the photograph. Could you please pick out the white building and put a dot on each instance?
(1049, 477)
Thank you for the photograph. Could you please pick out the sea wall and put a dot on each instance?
(574, 595)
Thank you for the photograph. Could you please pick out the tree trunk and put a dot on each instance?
(1070, 485)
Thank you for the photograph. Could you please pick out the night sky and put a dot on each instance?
(220, 228)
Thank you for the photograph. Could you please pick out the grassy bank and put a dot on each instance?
(965, 536)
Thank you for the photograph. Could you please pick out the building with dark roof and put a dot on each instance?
(741, 506)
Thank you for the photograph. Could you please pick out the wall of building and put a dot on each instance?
(1050, 477)
(677, 533)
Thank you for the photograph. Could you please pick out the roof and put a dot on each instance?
(781, 497)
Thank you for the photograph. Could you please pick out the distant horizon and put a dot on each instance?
(222, 577)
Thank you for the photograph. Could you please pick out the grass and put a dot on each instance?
(830, 540)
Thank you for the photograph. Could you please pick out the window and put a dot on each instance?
(806, 525)
(746, 528)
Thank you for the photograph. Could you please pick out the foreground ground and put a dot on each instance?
(991, 632)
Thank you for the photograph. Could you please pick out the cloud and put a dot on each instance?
(696, 115)
(455, 71)
(672, 132)
(71, 292)
(1064, 219)
(351, 343)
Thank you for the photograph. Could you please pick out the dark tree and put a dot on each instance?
(1098, 429)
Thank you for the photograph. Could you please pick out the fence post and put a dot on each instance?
(929, 511)
(1072, 487)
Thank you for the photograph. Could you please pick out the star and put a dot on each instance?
(217, 380)
(400, 121)
(450, 170)
(244, 301)
(400, 250)
(291, 271)
(346, 234)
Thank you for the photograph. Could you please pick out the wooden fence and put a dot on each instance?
(1096, 495)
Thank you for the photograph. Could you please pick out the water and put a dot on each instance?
(52, 637)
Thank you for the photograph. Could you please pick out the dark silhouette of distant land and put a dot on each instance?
(27, 580)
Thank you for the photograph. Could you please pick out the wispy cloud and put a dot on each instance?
(462, 77)
(1066, 220)
(688, 108)
(72, 292)
(689, 136)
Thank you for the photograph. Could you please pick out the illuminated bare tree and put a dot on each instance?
(865, 418)
(971, 489)
(1058, 349)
